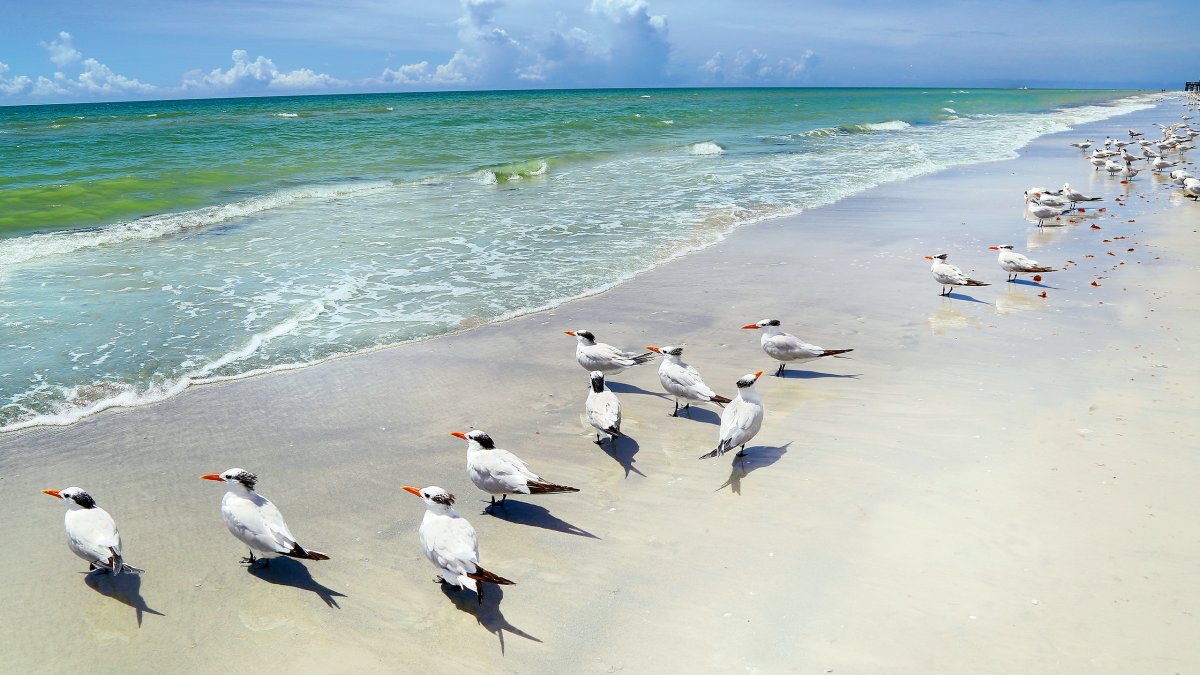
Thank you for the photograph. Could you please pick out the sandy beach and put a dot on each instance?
(996, 482)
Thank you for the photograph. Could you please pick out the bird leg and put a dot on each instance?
(598, 442)
(249, 560)
(676, 412)
(782, 366)
(742, 452)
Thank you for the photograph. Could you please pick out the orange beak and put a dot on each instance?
(409, 488)
(758, 374)
(929, 257)
(457, 434)
(993, 248)
(569, 332)
(212, 476)
(52, 493)
(656, 350)
(750, 326)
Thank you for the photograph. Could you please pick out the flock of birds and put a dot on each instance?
(1045, 204)
(450, 542)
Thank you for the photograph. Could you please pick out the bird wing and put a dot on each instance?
(504, 470)
(604, 410)
(788, 346)
(949, 274)
(450, 543)
(739, 422)
(91, 532)
(247, 521)
(274, 521)
(684, 381)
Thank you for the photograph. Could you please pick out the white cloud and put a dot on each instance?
(259, 74)
(12, 85)
(98, 78)
(755, 67)
(62, 51)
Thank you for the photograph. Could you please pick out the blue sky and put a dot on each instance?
(74, 50)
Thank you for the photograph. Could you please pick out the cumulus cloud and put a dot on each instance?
(755, 67)
(260, 74)
(623, 45)
(62, 51)
(12, 85)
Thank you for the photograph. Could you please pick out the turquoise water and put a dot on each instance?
(145, 247)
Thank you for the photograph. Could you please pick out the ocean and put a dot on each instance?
(146, 247)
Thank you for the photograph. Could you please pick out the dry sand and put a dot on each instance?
(1005, 484)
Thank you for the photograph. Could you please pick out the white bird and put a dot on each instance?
(1113, 168)
(1160, 164)
(603, 410)
(682, 381)
(784, 347)
(1087, 143)
(949, 275)
(603, 357)
(92, 533)
(1014, 263)
(450, 543)
(1075, 196)
(499, 472)
(1099, 161)
(1042, 212)
(255, 521)
(1180, 176)
(741, 419)
(1191, 188)
(1129, 172)
(1050, 200)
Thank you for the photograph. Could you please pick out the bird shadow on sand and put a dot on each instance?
(486, 613)
(1028, 282)
(287, 572)
(622, 451)
(124, 588)
(524, 513)
(964, 296)
(623, 388)
(814, 375)
(698, 414)
(757, 457)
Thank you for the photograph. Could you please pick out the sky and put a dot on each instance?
(82, 50)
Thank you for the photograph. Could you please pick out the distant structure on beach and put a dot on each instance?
(1191, 86)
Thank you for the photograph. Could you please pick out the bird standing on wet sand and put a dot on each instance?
(255, 521)
(741, 419)
(603, 357)
(682, 381)
(1075, 196)
(499, 472)
(92, 533)
(450, 542)
(603, 410)
(785, 347)
(949, 275)
(1014, 263)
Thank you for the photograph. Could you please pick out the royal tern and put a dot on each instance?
(949, 275)
(741, 419)
(92, 533)
(1087, 143)
(1112, 167)
(603, 357)
(1160, 164)
(1099, 161)
(603, 409)
(255, 521)
(499, 472)
(1074, 196)
(1191, 188)
(1134, 134)
(1014, 263)
(682, 381)
(1128, 172)
(450, 543)
(1046, 199)
(784, 347)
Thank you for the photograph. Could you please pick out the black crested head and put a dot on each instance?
(773, 322)
(597, 381)
(247, 479)
(673, 351)
(746, 381)
(942, 256)
(482, 439)
(1007, 246)
(84, 499)
(444, 498)
(586, 334)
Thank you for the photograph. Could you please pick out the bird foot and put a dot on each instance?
(741, 453)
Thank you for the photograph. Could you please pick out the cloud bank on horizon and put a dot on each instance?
(491, 44)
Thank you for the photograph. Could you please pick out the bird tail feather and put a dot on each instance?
(298, 551)
(1043, 269)
(481, 574)
(835, 352)
(976, 282)
(715, 452)
(644, 358)
(549, 488)
(720, 400)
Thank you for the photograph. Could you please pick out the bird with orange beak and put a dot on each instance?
(785, 347)
(92, 533)
(948, 275)
(604, 357)
(499, 472)
(255, 521)
(450, 542)
(741, 419)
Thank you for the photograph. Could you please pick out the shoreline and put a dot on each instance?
(128, 400)
(879, 524)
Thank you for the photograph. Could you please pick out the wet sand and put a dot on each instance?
(995, 482)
